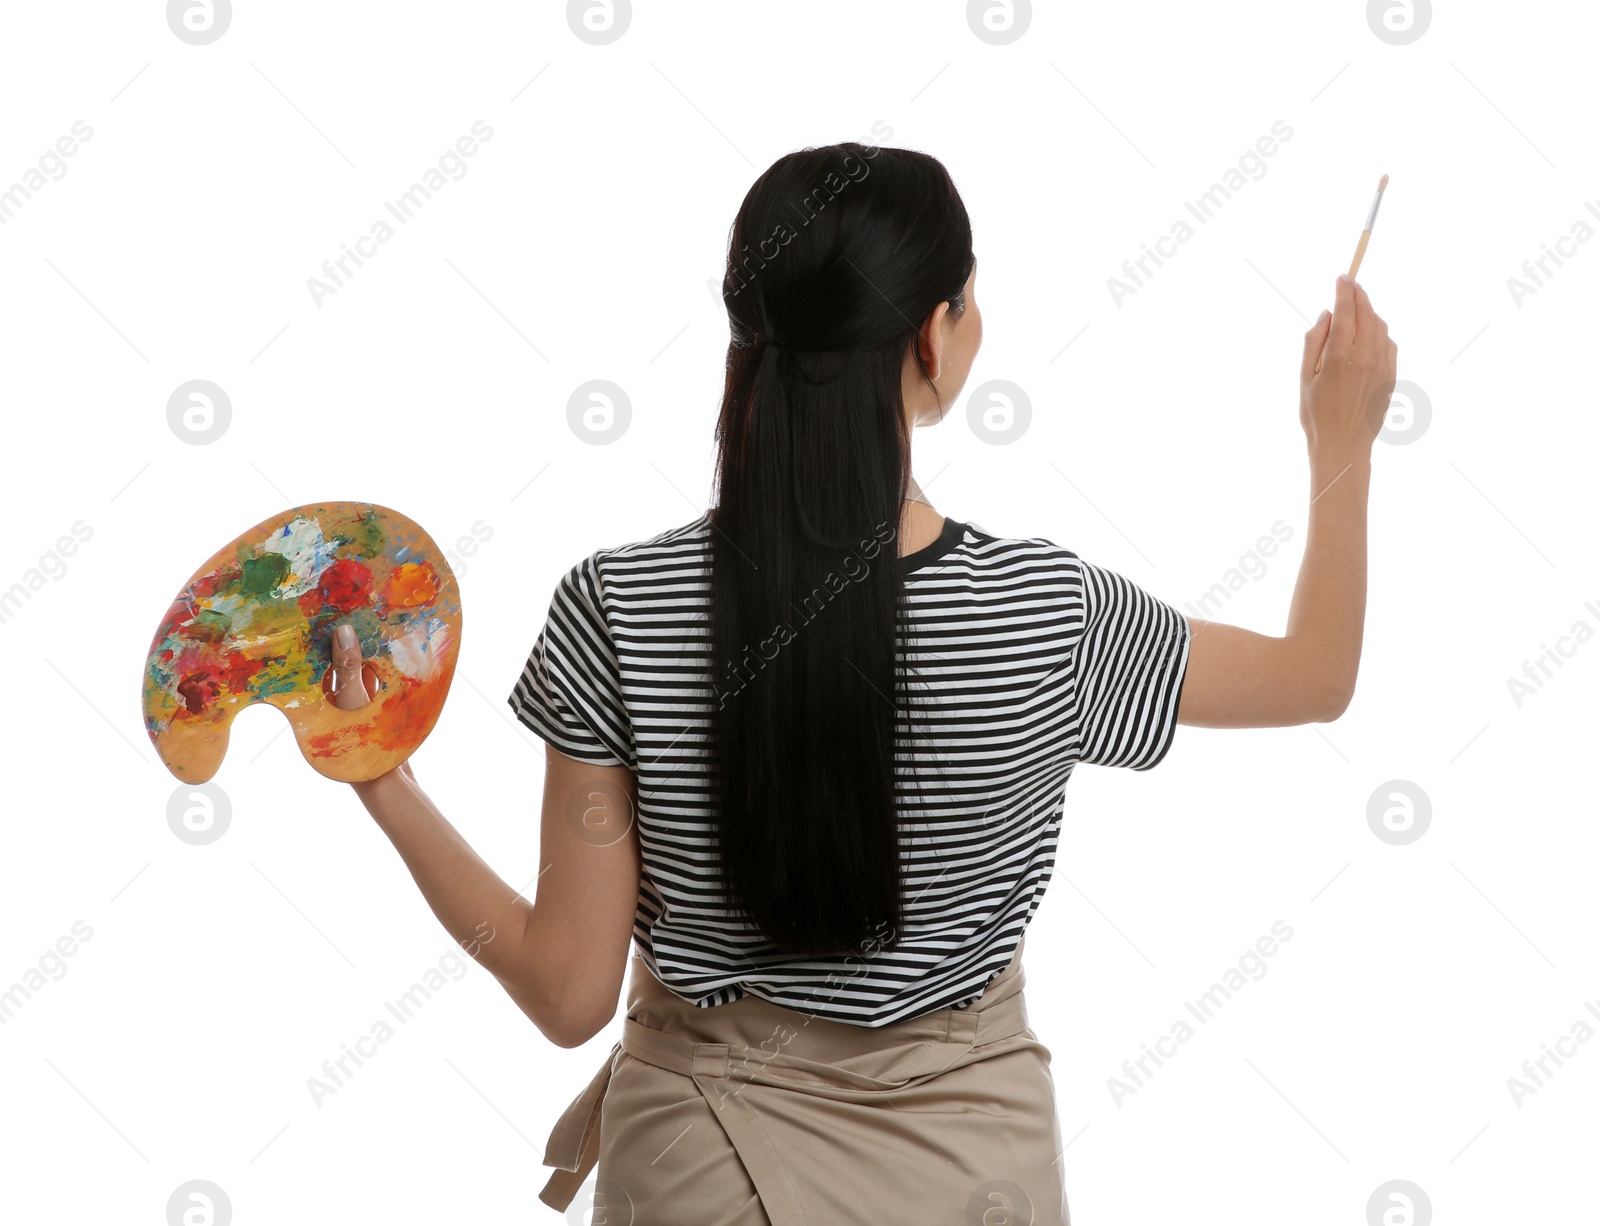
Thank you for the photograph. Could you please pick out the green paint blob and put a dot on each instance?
(213, 623)
(264, 575)
(370, 538)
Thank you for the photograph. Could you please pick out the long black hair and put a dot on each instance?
(837, 256)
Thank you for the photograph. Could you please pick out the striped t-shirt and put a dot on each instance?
(1022, 661)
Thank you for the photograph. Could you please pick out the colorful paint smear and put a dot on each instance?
(255, 624)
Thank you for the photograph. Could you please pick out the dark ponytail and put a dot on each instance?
(836, 257)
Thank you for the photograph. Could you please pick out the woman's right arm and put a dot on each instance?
(1237, 678)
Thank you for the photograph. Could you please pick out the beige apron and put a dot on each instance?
(750, 1114)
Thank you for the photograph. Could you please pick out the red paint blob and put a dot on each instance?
(343, 586)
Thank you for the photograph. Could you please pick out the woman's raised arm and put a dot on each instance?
(1237, 678)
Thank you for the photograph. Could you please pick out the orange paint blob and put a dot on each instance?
(411, 584)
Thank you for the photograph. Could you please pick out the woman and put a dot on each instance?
(809, 751)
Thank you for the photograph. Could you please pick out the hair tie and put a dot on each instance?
(744, 338)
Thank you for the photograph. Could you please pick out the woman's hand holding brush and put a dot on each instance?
(1343, 404)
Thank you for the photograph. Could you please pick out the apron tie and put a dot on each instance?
(574, 1144)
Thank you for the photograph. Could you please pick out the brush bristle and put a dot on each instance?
(1383, 182)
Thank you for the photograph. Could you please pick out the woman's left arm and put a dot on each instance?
(563, 957)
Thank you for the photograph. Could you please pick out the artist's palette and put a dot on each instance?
(255, 624)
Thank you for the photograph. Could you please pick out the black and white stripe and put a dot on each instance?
(1024, 660)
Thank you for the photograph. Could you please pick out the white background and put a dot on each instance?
(1164, 441)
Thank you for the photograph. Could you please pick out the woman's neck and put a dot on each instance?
(920, 524)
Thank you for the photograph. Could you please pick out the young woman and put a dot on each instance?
(808, 752)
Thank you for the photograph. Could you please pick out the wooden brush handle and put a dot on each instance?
(1361, 250)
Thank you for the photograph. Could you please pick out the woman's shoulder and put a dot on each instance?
(687, 538)
(995, 549)
(685, 546)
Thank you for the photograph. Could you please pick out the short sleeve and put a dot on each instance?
(570, 690)
(1129, 667)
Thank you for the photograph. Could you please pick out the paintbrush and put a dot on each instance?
(1361, 244)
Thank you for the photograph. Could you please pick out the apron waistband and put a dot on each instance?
(828, 1063)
